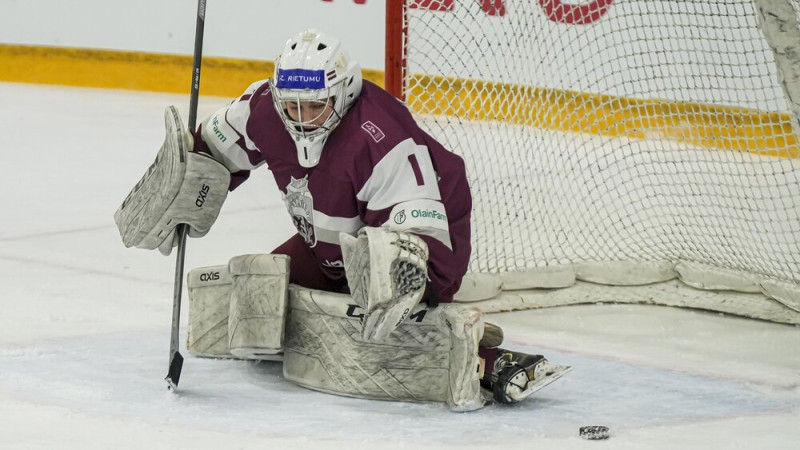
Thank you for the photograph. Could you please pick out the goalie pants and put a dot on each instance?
(304, 268)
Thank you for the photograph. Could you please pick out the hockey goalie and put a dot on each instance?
(358, 302)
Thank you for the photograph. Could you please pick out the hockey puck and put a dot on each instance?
(594, 432)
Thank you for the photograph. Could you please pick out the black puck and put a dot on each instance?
(594, 432)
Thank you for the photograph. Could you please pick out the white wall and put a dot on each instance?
(248, 29)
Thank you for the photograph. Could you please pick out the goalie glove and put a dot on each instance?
(386, 271)
(180, 186)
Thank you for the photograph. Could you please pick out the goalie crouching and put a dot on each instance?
(359, 301)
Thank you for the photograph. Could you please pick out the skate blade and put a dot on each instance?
(553, 374)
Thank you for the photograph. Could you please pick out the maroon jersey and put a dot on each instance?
(377, 168)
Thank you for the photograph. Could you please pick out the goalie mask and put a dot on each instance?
(314, 84)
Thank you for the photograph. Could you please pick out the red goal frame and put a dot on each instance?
(395, 57)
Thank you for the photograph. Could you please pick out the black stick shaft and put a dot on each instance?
(175, 358)
(198, 58)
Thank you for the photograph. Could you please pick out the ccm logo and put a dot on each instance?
(201, 195)
(356, 312)
(210, 276)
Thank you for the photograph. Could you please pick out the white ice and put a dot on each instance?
(85, 322)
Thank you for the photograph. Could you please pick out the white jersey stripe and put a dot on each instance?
(394, 180)
(349, 225)
(328, 236)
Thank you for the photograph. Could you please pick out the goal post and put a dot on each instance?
(634, 151)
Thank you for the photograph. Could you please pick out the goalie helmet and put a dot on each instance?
(314, 69)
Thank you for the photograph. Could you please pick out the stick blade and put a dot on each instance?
(174, 373)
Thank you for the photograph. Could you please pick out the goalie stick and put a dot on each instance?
(175, 357)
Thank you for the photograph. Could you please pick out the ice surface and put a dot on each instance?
(85, 327)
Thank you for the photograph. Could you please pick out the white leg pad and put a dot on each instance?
(258, 305)
(209, 305)
(432, 356)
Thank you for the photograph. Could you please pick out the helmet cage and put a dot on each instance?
(304, 128)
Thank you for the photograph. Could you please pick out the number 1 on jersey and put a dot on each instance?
(412, 159)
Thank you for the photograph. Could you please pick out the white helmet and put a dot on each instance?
(313, 67)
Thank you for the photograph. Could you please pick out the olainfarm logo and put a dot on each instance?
(217, 132)
(301, 79)
(400, 217)
(428, 214)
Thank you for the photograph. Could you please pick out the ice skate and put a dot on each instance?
(518, 375)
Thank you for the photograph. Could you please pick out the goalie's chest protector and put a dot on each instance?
(355, 183)
(323, 200)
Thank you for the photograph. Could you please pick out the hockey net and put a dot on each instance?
(648, 147)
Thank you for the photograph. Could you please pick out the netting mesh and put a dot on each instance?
(656, 132)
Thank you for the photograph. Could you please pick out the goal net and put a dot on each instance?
(646, 146)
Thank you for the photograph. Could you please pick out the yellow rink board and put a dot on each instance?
(698, 124)
(703, 125)
(224, 77)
